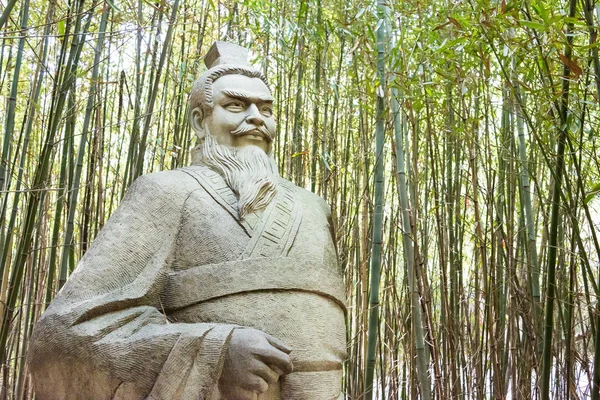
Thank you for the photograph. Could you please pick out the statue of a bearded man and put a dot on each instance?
(215, 281)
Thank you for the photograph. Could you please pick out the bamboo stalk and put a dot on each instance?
(6, 13)
(554, 218)
(29, 119)
(12, 100)
(375, 265)
(315, 136)
(407, 242)
(149, 112)
(73, 196)
(531, 234)
(298, 138)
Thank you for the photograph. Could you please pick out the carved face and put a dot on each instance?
(242, 114)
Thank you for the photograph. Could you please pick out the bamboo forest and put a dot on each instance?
(457, 143)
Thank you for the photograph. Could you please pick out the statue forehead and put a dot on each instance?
(242, 83)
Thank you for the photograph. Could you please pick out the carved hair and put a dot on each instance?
(202, 93)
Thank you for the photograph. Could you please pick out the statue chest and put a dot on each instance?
(210, 231)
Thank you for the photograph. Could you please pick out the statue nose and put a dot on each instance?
(254, 116)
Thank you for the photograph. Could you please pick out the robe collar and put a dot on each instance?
(272, 231)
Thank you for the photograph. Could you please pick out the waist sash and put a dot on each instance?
(206, 282)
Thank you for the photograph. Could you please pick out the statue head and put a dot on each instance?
(231, 100)
(231, 112)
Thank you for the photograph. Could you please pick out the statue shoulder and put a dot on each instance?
(312, 200)
(175, 185)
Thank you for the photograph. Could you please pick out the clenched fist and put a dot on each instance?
(255, 360)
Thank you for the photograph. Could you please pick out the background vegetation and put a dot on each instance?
(475, 213)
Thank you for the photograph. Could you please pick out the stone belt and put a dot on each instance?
(206, 282)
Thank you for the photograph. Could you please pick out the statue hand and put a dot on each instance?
(254, 361)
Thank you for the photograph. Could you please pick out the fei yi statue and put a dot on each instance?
(215, 281)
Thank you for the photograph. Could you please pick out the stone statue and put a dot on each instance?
(215, 281)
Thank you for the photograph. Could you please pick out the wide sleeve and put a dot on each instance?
(105, 335)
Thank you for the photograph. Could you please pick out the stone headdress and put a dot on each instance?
(222, 59)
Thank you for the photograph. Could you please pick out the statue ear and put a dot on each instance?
(196, 119)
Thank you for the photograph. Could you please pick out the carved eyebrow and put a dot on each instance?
(239, 94)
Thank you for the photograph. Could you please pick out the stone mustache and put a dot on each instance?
(215, 281)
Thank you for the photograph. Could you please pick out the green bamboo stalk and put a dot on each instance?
(29, 304)
(499, 267)
(442, 257)
(331, 149)
(68, 241)
(181, 109)
(109, 176)
(327, 167)
(588, 8)
(450, 225)
(62, 196)
(317, 82)
(29, 118)
(12, 100)
(407, 242)
(588, 12)
(62, 181)
(120, 107)
(531, 234)
(5, 60)
(377, 234)
(90, 181)
(298, 157)
(8, 133)
(140, 74)
(6, 13)
(554, 218)
(150, 110)
(568, 324)
(582, 251)
(596, 376)
(180, 118)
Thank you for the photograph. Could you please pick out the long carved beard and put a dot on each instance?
(248, 171)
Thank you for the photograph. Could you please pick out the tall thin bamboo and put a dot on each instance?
(298, 138)
(554, 218)
(377, 234)
(531, 233)
(29, 119)
(6, 13)
(75, 182)
(9, 124)
(163, 55)
(409, 255)
(315, 127)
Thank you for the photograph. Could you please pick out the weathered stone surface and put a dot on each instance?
(215, 281)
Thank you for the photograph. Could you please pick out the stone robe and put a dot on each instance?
(150, 309)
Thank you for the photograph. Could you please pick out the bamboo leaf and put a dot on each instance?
(533, 25)
(61, 27)
(592, 193)
(540, 10)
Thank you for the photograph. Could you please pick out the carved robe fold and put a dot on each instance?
(149, 311)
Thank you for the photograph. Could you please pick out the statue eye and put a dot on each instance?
(266, 110)
(235, 105)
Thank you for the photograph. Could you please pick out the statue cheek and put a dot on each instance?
(231, 119)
